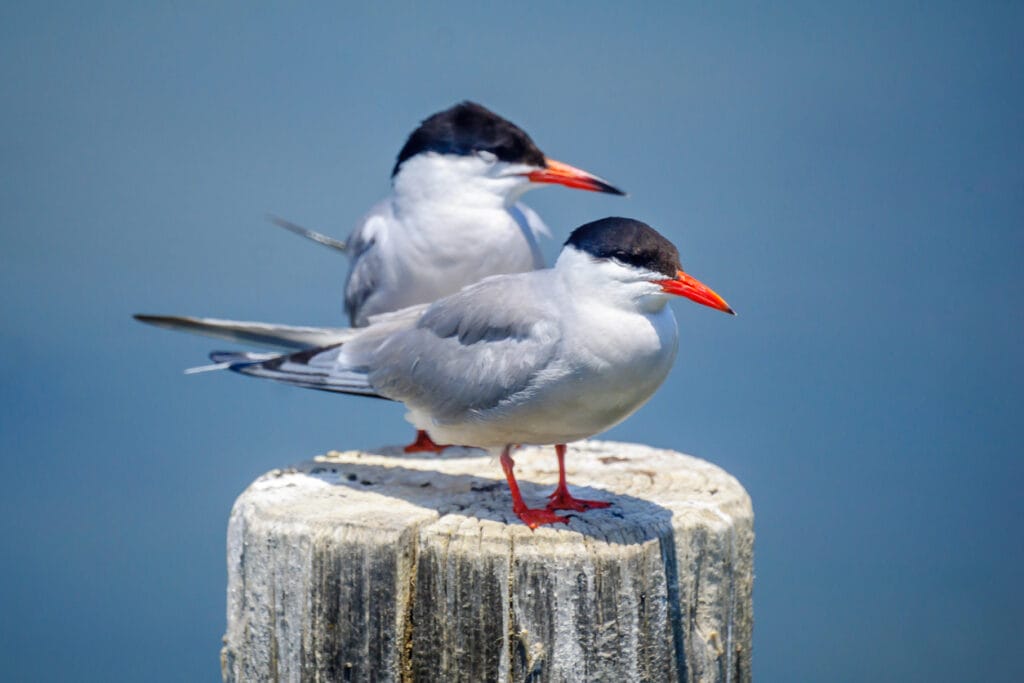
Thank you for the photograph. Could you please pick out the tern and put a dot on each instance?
(545, 357)
(453, 216)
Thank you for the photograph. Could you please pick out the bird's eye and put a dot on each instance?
(487, 157)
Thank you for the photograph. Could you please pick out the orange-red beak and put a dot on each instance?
(563, 174)
(695, 290)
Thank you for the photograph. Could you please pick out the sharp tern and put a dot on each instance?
(543, 357)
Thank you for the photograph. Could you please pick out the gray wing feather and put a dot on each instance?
(313, 235)
(264, 334)
(310, 369)
(364, 274)
(468, 352)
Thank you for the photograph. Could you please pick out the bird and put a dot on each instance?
(453, 216)
(545, 357)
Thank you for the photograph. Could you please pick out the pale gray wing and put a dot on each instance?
(264, 334)
(327, 368)
(468, 352)
(364, 275)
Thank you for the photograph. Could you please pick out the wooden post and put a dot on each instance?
(390, 567)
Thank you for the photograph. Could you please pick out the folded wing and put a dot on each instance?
(469, 352)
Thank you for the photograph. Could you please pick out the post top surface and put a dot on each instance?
(462, 491)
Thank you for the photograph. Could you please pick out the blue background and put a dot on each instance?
(851, 179)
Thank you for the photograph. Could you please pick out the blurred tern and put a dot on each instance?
(543, 357)
(453, 216)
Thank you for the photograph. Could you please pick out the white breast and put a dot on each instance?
(609, 366)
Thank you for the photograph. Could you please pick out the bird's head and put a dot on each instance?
(468, 146)
(636, 261)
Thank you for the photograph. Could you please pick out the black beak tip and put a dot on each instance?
(611, 189)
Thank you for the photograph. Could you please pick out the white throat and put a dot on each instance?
(609, 282)
(469, 181)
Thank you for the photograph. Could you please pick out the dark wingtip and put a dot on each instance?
(159, 320)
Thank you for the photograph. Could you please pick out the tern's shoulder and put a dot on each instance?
(498, 307)
(368, 263)
(372, 226)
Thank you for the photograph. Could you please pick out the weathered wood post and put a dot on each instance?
(388, 567)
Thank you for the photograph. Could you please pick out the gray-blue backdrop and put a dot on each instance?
(851, 179)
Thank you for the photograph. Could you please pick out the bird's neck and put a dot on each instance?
(433, 181)
(603, 283)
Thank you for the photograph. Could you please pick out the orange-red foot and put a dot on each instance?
(534, 518)
(561, 499)
(531, 517)
(424, 444)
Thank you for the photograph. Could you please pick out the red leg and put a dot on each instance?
(424, 444)
(532, 518)
(561, 499)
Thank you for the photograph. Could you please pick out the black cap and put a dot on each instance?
(467, 128)
(628, 241)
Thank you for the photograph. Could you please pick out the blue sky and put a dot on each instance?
(850, 178)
